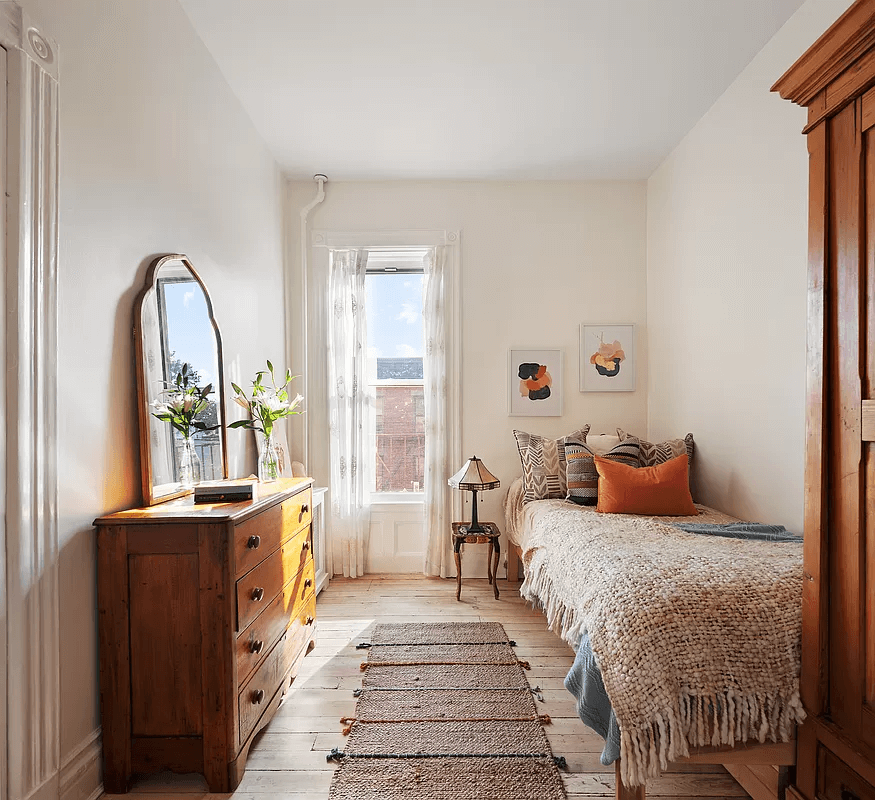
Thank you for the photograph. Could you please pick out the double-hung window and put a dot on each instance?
(394, 283)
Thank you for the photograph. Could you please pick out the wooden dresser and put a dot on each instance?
(205, 614)
(835, 81)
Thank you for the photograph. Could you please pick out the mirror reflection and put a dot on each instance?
(179, 339)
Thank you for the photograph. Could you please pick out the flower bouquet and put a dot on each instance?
(181, 404)
(266, 404)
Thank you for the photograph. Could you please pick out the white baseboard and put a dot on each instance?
(82, 770)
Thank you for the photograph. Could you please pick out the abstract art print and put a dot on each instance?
(534, 383)
(607, 358)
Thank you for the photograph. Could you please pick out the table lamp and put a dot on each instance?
(474, 477)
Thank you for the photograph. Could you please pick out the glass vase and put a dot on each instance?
(268, 460)
(189, 464)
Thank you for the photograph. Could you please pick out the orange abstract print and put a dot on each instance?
(535, 381)
(607, 358)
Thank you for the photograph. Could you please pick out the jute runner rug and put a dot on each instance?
(445, 713)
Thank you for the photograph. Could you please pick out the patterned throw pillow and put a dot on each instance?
(653, 454)
(543, 463)
(582, 475)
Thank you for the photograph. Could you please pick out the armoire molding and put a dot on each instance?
(32, 592)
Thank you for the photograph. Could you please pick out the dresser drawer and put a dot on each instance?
(259, 536)
(260, 586)
(258, 692)
(254, 643)
(837, 781)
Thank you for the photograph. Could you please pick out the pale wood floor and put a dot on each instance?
(289, 756)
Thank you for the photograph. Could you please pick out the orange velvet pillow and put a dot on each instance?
(663, 490)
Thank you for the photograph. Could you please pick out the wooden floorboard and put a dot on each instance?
(288, 758)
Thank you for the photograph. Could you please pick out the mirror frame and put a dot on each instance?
(149, 496)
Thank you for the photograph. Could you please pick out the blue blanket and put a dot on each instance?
(584, 679)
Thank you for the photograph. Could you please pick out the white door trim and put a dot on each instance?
(33, 607)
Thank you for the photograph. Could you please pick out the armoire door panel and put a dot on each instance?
(868, 435)
(845, 320)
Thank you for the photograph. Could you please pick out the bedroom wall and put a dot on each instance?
(537, 259)
(726, 287)
(156, 156)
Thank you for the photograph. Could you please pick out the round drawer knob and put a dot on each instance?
(308, 583)
(306, 545)
(257, 697)
(310, 620)
(257, 594)
(304, 509)
(256, 646)
(254, 542)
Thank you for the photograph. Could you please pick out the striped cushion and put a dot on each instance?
(543, 463)
(653, 454)
(582, 476)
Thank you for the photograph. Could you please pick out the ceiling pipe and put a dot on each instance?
(305, 302)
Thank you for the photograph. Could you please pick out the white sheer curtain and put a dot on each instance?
(350, 409)
(438, 557)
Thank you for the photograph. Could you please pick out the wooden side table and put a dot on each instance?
(489, 535)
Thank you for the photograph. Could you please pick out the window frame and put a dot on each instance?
(394, 497)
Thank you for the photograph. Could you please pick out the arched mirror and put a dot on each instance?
(176, 340)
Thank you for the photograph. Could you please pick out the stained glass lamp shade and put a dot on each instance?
(474, 477)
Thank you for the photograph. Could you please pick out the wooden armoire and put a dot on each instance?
(835, 81)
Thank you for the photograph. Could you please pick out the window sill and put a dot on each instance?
(397, 498)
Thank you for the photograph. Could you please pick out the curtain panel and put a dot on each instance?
(438, 556)
(350, 413)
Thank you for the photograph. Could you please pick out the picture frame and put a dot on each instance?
(607, 357)
(534, 382)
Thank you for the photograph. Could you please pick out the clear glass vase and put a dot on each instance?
(268, 460)
(189, 464)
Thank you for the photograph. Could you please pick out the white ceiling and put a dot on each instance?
(480, 89)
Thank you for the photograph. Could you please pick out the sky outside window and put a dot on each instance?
(394, 309)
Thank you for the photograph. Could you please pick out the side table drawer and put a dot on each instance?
(259, 536)
(837, 781)
(254, 643)
(257, 694)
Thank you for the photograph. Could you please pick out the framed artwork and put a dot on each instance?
(534, 383)
(607, 358)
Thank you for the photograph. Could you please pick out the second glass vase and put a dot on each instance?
(268, 460)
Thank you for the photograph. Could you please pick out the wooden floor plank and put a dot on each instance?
(288, 758)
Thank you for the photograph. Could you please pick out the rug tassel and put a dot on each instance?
(545, 719)
(347, 723)
(363, 646)
(525, 665)
(363, 666)
(560, 762)
(335, 755)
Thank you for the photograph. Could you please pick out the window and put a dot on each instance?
(395, 368)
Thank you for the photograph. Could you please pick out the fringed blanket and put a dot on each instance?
(697, 638)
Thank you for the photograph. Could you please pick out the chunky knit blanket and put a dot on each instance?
(697, 637)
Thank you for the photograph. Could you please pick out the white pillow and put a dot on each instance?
(602, 443)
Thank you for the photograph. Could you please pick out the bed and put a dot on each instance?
(695, 638)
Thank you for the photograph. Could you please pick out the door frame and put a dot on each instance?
(28, 437)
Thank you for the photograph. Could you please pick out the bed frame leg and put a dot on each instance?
(624, 792)
(513, 566)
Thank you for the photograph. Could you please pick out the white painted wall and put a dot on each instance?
(156, 156)
(726, 287)
(537, 259)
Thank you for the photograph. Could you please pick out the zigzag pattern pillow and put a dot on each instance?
(653, 454)
(581, 473)
(543, 462)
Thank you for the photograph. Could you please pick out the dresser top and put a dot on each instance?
(184, 508)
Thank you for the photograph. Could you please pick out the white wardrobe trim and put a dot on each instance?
(32, 594)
